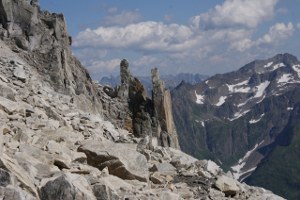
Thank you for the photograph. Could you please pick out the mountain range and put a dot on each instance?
(247, 121)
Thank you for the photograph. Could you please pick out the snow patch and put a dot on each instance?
(238, 115)
(246, 172)
(200, 98)
(221, 101)
(237, 169)
(289, 108)
(286, 78)
(278, 66)
(268, 65)
(260, 89)
(238, 88)
(297, 69)
(254, 121)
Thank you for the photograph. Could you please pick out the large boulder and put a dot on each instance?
(122, 160)
(11, 165)
(227, 185)
(108, 188)
(5, 179)
(66, 187)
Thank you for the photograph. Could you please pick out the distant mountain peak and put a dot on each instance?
(235, 118)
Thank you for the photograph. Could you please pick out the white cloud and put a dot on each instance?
(230, 30)
(124, 18)
(143, 36)
(277, 33)
(242, 45)
(92, 53)
(246, 13)
(146, 61)
(105, 66)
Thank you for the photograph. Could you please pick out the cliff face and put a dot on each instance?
(41, 39)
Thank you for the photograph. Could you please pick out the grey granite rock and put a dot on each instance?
(66, 187)
(5, 178)
(122, 161)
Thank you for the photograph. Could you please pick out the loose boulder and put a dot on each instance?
(66, 187)
(227, 185)
(122, 160)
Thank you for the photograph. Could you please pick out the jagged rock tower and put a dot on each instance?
(150, 117)
(161, 98)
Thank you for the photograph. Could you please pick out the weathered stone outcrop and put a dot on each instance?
(66, 187)
(145, 117)
(42, 40)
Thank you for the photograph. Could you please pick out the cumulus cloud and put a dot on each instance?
(228, 29)
(148, 35)
(247, 13)
(124, 18)
(146, 61)
(104, 65)
(277, 33)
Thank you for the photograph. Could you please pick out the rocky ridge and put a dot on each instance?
(55, 141)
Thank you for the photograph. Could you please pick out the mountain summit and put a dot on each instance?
(238, 119)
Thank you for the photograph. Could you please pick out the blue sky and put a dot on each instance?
(206, 37)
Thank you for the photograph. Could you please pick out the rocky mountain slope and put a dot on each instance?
(64, 137)
(243, 119)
